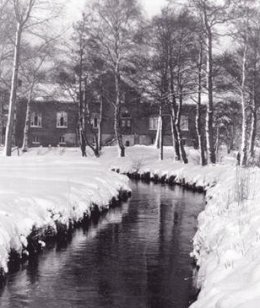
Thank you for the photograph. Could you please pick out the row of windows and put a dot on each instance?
(184, 124)
(124, 122)
(36, 140)
(61, 120)
(153, 123)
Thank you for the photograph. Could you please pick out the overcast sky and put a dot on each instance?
(74, 7)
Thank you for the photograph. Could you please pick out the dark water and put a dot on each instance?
(136, 256)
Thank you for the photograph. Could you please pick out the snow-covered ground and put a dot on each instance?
(39, 191)
(227, 243)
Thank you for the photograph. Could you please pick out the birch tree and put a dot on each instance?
(199, 120)
(181, 69)
(33, 71)
(114, 25)
(28, 15)
(7, 31)
(211, 14)
(245, 13)
(254, 79)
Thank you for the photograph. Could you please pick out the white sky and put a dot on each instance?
(74, 7)
(153, 6)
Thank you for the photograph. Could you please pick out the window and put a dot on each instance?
(123, 123)
(5, 108)
(62, 140)
(94, 122)
(62, 119)
(35, 140)
(184, 123)
(153, 123)
(125, 113)
(36, 120)
(123, 98)
(126, 123)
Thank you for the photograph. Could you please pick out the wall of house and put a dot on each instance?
(138, 114)
(4, 101)
(48, 134)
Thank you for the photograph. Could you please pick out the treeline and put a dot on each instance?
(177, 56)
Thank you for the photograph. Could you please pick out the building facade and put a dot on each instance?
(54, 121)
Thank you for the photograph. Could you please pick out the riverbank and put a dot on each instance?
(43, 198)
(136, 255)
(227, 243)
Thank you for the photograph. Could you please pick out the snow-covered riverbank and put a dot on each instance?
(226, 246)
(227, 243)
(43, 193)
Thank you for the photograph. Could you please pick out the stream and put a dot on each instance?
(136, 255)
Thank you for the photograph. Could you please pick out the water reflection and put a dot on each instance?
(136, 256)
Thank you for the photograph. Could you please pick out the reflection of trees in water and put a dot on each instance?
(134, 257)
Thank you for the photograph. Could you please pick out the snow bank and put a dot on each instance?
(38, 192)
(226, 245)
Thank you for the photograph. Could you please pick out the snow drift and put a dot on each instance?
(38, 193)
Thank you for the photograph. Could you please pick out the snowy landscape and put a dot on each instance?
(48, 186)
(129, 153)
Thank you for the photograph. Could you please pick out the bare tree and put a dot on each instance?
(254, 78)
(26, 22)
(114, 25)
(211, 15)
(245, 13)
(171, 69)
(32, 72)
(199, 125)
(7, 30)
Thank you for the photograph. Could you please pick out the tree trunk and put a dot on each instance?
(217, 143)
(174, 108)
(81, 109)
(99, 141)
(13, 94)
(100, 119)
(181, 143)
(27, 123)
(117, 126)
(179, 133)
(157, 137)
(254, 112)
(244, 143)
(210, 107)
(175, 140)
(161, 133)
(199, 130)
(117, 132)
(83, 144)
(253, 131)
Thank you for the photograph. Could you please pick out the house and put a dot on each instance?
(138, 119)
(54, 118)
